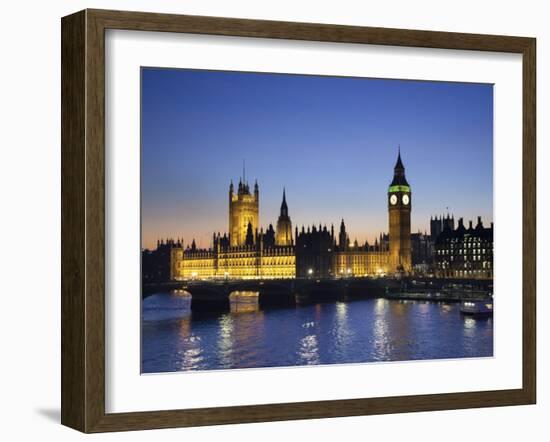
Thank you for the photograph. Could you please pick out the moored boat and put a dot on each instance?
(477, 308)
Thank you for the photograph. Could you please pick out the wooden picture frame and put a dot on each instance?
(83, 220)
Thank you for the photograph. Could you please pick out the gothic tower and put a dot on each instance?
(343, 240)
(399, 207)
(244, 209)
(435, 227)
(284, 226)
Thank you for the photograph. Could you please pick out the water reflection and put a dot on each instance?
(244, 302)
(173, 305)
(380, 305)
(190, 358)
(473, 329)
(185, 327)
(341, 333)
(225, 340)
(469, 326)
(239, 332)
(174, 338)
(380, 342)
(309, 350)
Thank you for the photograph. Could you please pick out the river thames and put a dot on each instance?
(176, 339)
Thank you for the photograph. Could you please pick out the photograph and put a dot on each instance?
(293, 220)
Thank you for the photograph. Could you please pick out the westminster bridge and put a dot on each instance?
(215, 294)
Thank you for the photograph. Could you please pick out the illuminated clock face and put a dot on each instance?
(405, 199)
(393, 200)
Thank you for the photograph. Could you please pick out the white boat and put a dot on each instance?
(477, 308)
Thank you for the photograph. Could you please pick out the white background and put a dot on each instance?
(30, 221)
(128, 391)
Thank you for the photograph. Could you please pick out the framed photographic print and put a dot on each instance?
(269, 220)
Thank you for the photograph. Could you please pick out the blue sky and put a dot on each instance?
(331, 141)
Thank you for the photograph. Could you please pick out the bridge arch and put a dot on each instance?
(208, 297)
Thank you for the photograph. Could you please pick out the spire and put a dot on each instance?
(244, 172)
(343, 237)
(284, 225)
(284, 207)
(399, 172)
(399, 163)
(342, 227)
(249, 240)
(479, 223)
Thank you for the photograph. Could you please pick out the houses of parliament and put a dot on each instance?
(248, 251)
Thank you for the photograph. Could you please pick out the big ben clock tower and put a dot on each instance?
(399, 207)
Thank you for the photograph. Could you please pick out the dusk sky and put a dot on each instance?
(330, 141)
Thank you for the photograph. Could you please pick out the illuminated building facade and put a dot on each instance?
(248, 251)
(244, 262)
(465, 252)
(245, 252)
(244, 212)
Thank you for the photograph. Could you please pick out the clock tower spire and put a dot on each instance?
(399, 208)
